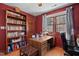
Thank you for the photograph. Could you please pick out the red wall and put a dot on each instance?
(76, 18)
(39, 23)
(56, 11)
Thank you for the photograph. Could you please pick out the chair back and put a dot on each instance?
(65, 45)
(58, 39)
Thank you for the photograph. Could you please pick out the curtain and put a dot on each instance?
(70, 30)
(44, 23)
(47, 25)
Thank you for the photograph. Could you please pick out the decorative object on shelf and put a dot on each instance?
(33, 36)
(17, 9)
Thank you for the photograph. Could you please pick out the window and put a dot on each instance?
(61, 23)
(55, 22)
(50, 23)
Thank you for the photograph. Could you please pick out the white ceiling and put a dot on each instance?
(34, 9)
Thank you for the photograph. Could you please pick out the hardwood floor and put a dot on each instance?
(57, 51)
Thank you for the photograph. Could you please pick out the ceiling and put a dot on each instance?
(34, 9)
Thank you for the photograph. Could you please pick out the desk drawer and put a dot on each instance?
(35, 44)
(44, 44)
(43, 48)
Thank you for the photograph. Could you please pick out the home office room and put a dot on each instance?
(39, 29)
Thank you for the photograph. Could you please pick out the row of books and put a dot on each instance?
(10, 27)
(13, 21)
(15, 44)
(15, 34)
(9, 13)
(12, 47)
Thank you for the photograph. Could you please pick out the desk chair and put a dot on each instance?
(58, 39)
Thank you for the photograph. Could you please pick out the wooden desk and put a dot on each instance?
(41, 44)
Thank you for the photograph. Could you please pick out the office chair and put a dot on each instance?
(64, 41)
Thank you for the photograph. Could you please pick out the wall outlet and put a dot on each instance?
(2, 27)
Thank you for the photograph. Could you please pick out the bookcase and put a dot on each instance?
(15, 31)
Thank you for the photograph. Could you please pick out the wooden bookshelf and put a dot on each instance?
(15, 31)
